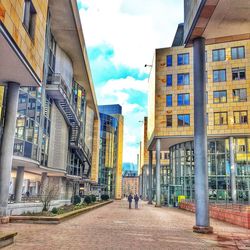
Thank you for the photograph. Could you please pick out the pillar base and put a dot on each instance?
(4, 220)
(203, 230)
(150, 203)
(157, 205)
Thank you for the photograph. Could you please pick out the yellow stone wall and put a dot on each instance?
(161, 90)
(144, 154)
(95, 151)
(11, 14)
(118, 185)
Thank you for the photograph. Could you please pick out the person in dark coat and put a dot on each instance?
(130, 198)
(136, 197)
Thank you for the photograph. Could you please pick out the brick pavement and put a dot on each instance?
(115, 227)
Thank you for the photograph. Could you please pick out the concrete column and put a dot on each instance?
(144, 183)
(233, 169)
(158, 173)
(150, 163)
(7, 145)
(200, 139)
(19, 184)
(44, 181)
(37, 188)
(140, 185)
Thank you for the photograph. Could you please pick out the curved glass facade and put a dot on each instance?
(108, 153)
(219, 171)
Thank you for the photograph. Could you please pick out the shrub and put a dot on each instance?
(93, 198)
(54, 210)
(76, 199)
(87, 199)
(105, 197)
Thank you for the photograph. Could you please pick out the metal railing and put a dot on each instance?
(57, 79)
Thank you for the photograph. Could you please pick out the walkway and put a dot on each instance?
(116, 227)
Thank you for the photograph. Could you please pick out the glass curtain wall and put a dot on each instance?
(28, 125)
(108, 154)
(182, 170)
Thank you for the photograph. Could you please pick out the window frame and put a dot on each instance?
(183, 123)
(218, 54)
(220, 113)
(167, 78)
(219, 97)
(167, 64)
(240, 117)
(183, 74)
(169, 116)
(29, 18)
(183, 61)
(245, 100)
(237, 52)
(169, 95)
(183, 99)
(238, 71)
(219, 76)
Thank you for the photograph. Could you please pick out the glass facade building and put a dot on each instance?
(108, 154)
(180, 176)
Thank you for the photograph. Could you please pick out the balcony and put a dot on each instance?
(84, 154)
(58, 90)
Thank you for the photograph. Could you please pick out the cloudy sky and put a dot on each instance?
(121, 36)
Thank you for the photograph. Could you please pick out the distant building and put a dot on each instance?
(111, 148)
(130, 185)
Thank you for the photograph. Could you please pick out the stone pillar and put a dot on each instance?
(158, 173)
(19, 184)
(7, 145)
(150, 163)
(144, 183)
(140, 185)
(233, 169)
(200, 139)
(37, 188)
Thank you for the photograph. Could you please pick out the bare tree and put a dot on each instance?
(49, 192)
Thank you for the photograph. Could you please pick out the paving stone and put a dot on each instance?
(116, 227)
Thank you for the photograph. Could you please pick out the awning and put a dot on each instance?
(14, 67)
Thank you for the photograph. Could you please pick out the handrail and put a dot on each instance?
(57, 79)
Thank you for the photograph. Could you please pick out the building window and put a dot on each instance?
(240, 117)
(169, 120)
(220, 118)
(238, 52)
(219, 75)
(183, 59)
(219, 55)
(29, 18)
(169, 101)
(239, 95)
(183, 120)
(166, 156)
(183, 79)
(220, 96)
(169, 60)
(183, 99)
(169, 80)
(238, 74)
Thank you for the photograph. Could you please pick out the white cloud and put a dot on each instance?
(134, 28)
(113, 92)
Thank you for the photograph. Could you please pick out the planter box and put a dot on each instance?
(55, 219)
(6, 239)
(234, 214)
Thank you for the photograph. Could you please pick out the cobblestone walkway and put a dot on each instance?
(115, 227)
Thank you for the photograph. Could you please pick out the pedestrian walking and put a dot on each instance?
(136, 197)
(130, 198)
